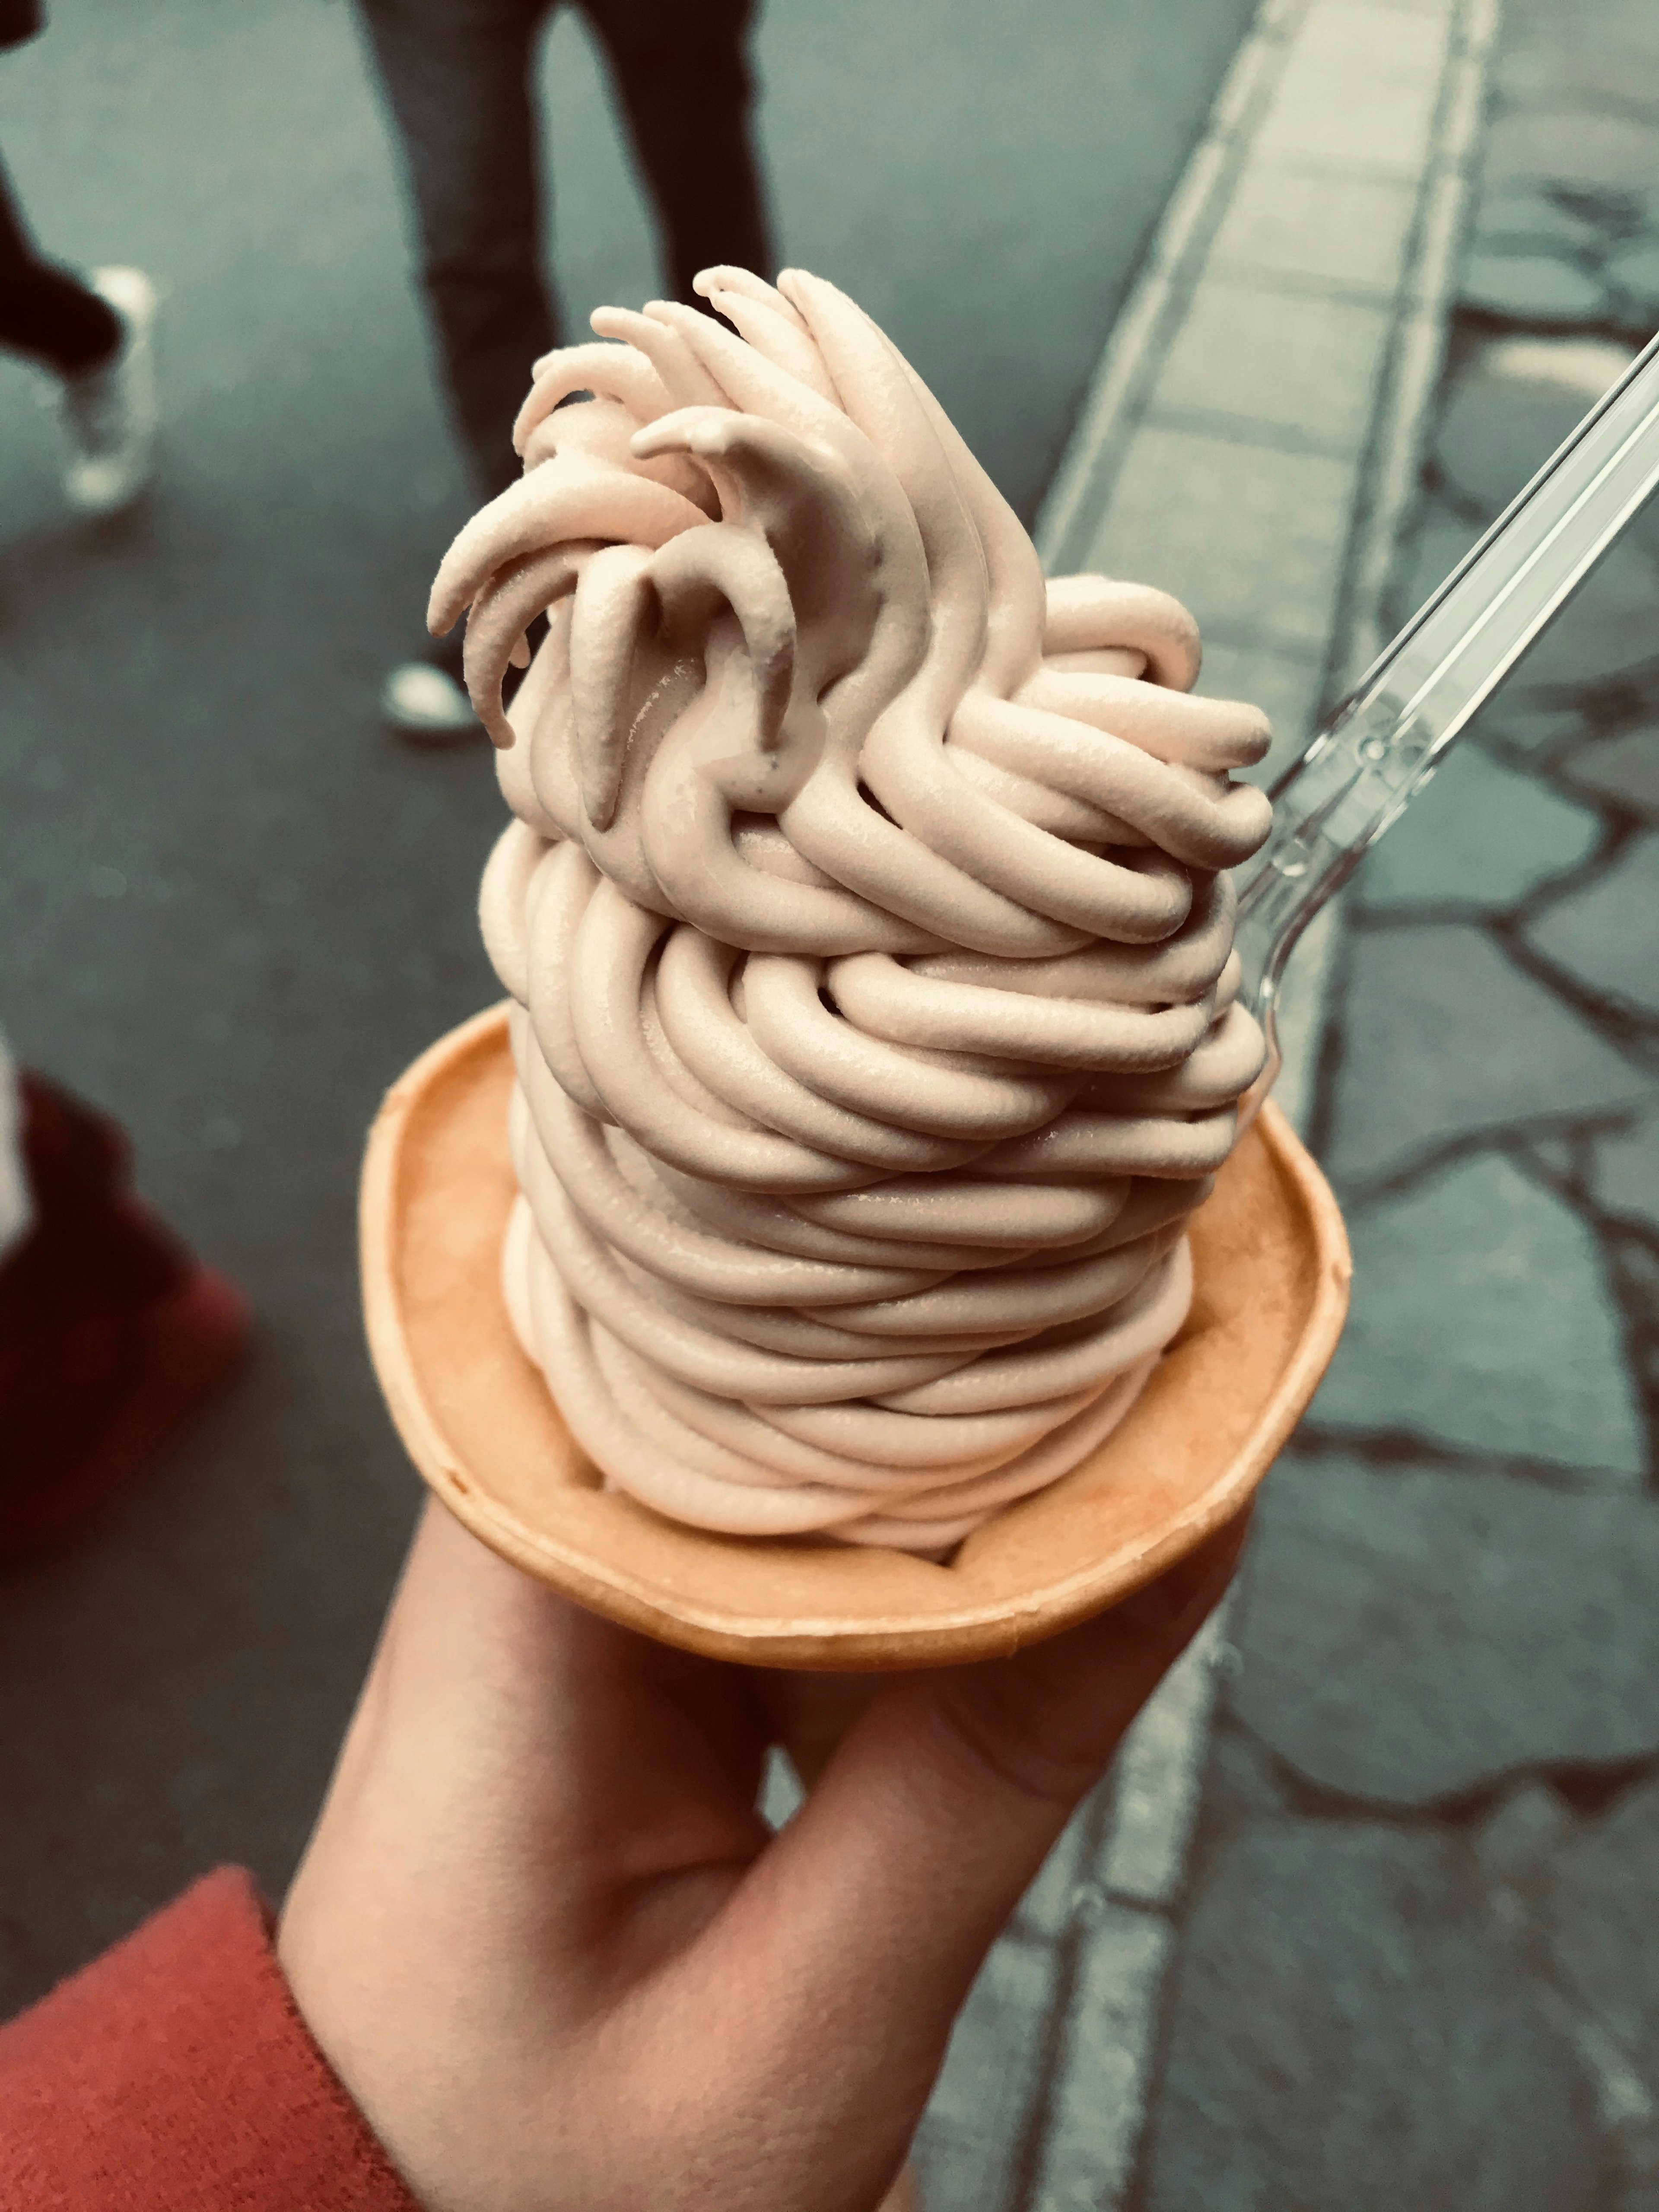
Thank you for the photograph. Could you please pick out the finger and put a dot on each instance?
(550, 1718)
(829, 1981)
(515, 1765)
(1041, 1728)
(892, 1883)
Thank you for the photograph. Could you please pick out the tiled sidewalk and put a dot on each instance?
(1248, 437)
(1420, 1959)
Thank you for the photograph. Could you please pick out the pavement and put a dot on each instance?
(231, 909)
(1418, 1962)
(1252, 440)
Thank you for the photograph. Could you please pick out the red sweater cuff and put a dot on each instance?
(175, 2074)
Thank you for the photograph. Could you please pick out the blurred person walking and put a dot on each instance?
(457, 76)
(96, 336)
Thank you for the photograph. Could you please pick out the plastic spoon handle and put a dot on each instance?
(1383, 743)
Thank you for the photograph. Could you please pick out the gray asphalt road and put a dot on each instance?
(230, 908)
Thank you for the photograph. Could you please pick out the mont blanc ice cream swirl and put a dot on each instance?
(867, 919)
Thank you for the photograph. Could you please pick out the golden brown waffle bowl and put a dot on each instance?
(1272, 1270)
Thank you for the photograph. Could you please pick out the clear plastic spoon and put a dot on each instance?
(1383, 744)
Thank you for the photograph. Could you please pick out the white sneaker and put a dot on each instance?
(112, 414)
(426, 705)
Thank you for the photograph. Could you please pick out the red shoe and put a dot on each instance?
(112, 1334)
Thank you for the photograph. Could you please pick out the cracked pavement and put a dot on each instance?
(1419, 1962)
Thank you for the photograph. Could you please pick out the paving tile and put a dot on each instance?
(1242, 1778)
(1625, 769)
(1612, 626)
(1638, 2192)
(1299, 362)
(1515, 217)
(1531, 288)
(1602, 1917)
(1559, 1156)
(1572, 146)
(1480, 835)
(1626, 1175)
(1047, 1908)
(1158, 1776)
(1624, 22)
(1638, 1264)
(1634, 277)
(1410, 1633)
(1443, 1037)
(1437, 544)
(782, 1796)
(976, 2123)
(1093, 2118)
(1597, 72)
(1608, 935)
(1329, 112)
(1513, 403)
(1349, 2035)
(1530, 390)
(1518, 722)
(1379, 37)
(1482, 1321)
(1286, 686)
(1250, 537)
(1358, 90)
(1515, 1846)
(1287, 219)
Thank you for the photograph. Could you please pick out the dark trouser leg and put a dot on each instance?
(682, 70)
(456, 76)
(45, 309)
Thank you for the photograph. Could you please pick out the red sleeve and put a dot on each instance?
(175, 2074)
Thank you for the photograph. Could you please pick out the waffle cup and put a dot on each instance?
(1272, 1268)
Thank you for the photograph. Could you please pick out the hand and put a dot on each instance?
(556, 1955)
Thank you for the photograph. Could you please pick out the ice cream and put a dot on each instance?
(875, 1022)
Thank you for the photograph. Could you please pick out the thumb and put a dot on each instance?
(1031, 1735)
(885, 1892)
